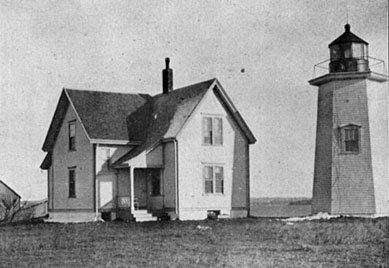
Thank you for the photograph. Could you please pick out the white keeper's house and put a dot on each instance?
(181, 154)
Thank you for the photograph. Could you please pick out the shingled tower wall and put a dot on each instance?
(351, 175)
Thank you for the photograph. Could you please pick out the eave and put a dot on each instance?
(46, 163)
(235, 113)
(115, 142)
(348, 76)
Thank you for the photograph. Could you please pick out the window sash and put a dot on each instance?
(213, 179)
(218, 126)
(351, 146)
(207, 130)
(208, 177)
(72, 183)
(351, 134)
(72, 136)
(209, 187)
(72, 129)
(212, 130)
(219, 179)
(351, 140)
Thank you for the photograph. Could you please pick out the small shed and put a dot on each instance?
(9, 202)
(35, 209)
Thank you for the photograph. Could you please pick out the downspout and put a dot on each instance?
(95, 182)
(52, 184)
(162, 175)
(248, 179)
(177, 210)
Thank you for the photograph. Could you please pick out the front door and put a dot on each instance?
(105, 197)
(140, 188)
(154, 188)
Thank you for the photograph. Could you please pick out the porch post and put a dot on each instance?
(132, 189)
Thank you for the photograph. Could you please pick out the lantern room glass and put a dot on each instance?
(349, 50)
(335, 53)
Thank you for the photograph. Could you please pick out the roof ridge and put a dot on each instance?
(103, 91)
(140, 94)
(205, 81)
(188, 86)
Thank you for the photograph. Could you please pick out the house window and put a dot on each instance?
(212, 130)
(351, 139)
(213, 179)
(72, 182)
(72, 136)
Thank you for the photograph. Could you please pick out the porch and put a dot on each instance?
(132, 194)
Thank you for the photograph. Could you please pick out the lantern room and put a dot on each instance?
(348, 53)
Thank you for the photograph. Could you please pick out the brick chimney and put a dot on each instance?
(167, 78)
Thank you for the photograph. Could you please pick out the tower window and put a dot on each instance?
(350, 139)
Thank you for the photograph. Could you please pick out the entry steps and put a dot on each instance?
(142, 215)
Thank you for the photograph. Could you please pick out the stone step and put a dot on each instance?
(141, 212)
(141, 219)
(143, 215)
(161, 215)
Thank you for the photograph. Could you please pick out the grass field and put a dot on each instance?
(280, 207)
(261, 242)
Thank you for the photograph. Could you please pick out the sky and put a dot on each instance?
(262, 52)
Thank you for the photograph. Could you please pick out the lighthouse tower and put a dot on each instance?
(351, 175)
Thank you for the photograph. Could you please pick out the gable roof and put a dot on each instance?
(102, 114)
(136, 117)
(9, 188)
(154, 120)
(164, 115)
